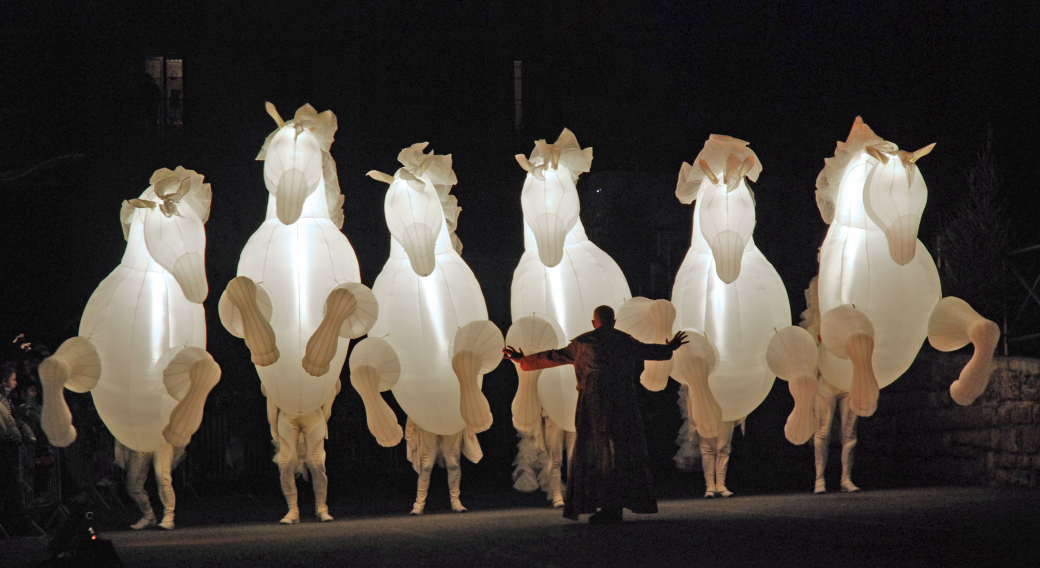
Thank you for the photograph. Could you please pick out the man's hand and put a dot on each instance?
(512, 354)
(677, 341)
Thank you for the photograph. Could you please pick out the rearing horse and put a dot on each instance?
(725, 289)
(141, 349)
(298, 298)
(433, 342)
(879, 289)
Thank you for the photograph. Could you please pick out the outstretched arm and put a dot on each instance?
(658, 352)
(543, 360)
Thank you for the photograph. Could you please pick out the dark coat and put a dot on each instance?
(610, 466)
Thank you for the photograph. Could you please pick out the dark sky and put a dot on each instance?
(644, 83)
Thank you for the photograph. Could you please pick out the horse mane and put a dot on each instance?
(829, 181)
(198, 197)
(565, 151)
(717, 150)
(811, 316)
(323, 126)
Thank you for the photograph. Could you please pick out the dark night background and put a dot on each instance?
(644, 84)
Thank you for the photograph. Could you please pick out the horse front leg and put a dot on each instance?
(350, 311)
(75, 366)
(953, 325)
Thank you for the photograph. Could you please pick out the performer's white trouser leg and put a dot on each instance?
(427, 449)
(136, 474)
(451, 448)
(723, 443)
(715, 460)
(557, 440)
(824, 409)
(848, 444)
(162, 462)
(288, 437)
(708, 463)
(314, 430)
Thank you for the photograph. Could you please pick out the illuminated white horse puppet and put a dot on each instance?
(141, 349)
(561, 278)
(728, 298)
(878, 287)
(433, 342)
(298, 300)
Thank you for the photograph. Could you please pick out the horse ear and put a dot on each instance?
(749, 163)
(877, 155)
(918, 154)
(380, 176)
(707, 171)
(274, 114)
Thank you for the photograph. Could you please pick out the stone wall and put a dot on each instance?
(923, 437)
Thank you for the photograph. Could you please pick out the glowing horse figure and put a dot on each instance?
(141, 349)
(561, 278)
(726, 293)
(879, 289)
(298, 299)
(432, 343)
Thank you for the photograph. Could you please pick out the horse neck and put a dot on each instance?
(315, 206)
(848, 207)
(697, 240)
(397, 251)
(136, 255)
(576, 235)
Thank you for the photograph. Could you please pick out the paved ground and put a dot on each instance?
(912, 527)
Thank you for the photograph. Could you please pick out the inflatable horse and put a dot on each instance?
(141, 349)
(432, 343)
(297, 300)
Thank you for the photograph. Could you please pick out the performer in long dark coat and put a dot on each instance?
(610, 468)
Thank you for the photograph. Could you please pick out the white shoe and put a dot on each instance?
(417, 509)
(457, 507)
(145, 522)
(324, 516)
(557, 502)
(848, 487)
(291, 518)
(723, 492)
(167, 522)
(821, 486)
(709, 494)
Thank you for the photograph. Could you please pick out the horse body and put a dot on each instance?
(419, 317)
(738, 318)
(898, 300)
(299, 265)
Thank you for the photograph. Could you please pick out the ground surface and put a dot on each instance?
(912, 527)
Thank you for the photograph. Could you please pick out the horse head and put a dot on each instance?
(417, 204)
(550, 198)
(170, 217)
(871, 178)
(725, 206)
(297, 160)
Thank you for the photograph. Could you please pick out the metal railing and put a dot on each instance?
(1024, 325)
